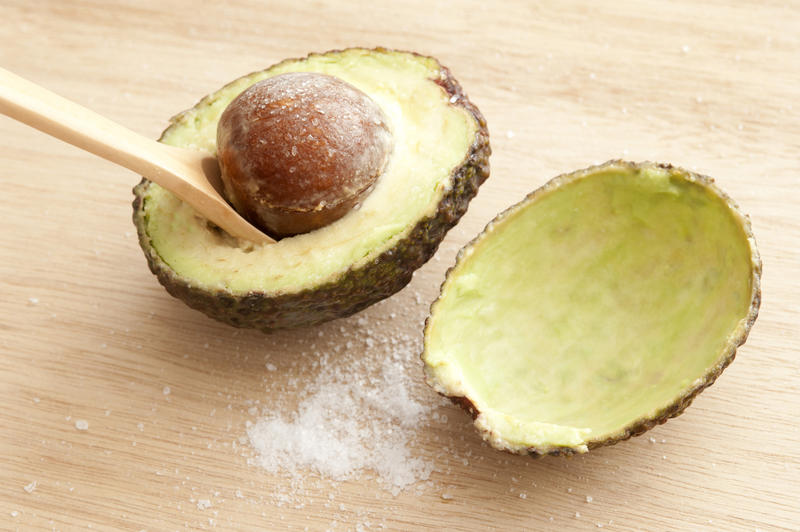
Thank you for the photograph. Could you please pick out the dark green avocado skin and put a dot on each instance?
(358, 287)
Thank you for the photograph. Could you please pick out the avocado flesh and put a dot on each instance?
(593, 306)
(432, 137)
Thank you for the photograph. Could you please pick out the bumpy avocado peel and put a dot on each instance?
(360, 285)
(643, 423)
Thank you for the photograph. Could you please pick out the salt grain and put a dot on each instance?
(30, 487)
(166, 390)
(81, 424)
(203, 504)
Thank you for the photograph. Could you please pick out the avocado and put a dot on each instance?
(439, 158)
(595, 309)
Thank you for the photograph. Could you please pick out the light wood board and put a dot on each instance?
(86, 332)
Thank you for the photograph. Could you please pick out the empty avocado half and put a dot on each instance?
(439, 157)
(596, 308)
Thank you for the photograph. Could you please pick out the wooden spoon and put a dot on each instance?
(193, 176)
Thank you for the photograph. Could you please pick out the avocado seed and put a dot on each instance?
(299, 150)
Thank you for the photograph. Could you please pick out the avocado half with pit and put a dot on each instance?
(439, 157)
(595, 309)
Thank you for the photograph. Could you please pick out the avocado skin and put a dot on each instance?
(681, 403)
(358, 287)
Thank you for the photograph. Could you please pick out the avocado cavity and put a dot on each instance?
(594, 309)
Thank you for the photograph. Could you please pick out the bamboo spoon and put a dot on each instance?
(193, 176)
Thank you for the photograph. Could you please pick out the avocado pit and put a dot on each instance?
(299, 150)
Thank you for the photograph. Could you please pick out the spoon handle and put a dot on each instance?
(190, 175)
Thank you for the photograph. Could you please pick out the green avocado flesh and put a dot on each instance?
(593, 305)
(432, 137)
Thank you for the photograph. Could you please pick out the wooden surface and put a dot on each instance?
(87, 334)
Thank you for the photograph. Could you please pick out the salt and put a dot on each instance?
(30, 487)
(343, 424)
(81, 424)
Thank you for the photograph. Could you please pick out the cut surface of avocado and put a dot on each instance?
(421, 163)
(439, 157)
(594, 309)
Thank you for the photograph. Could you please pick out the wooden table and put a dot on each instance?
(87, 334)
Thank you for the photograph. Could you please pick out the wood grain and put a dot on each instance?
(87, 334)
